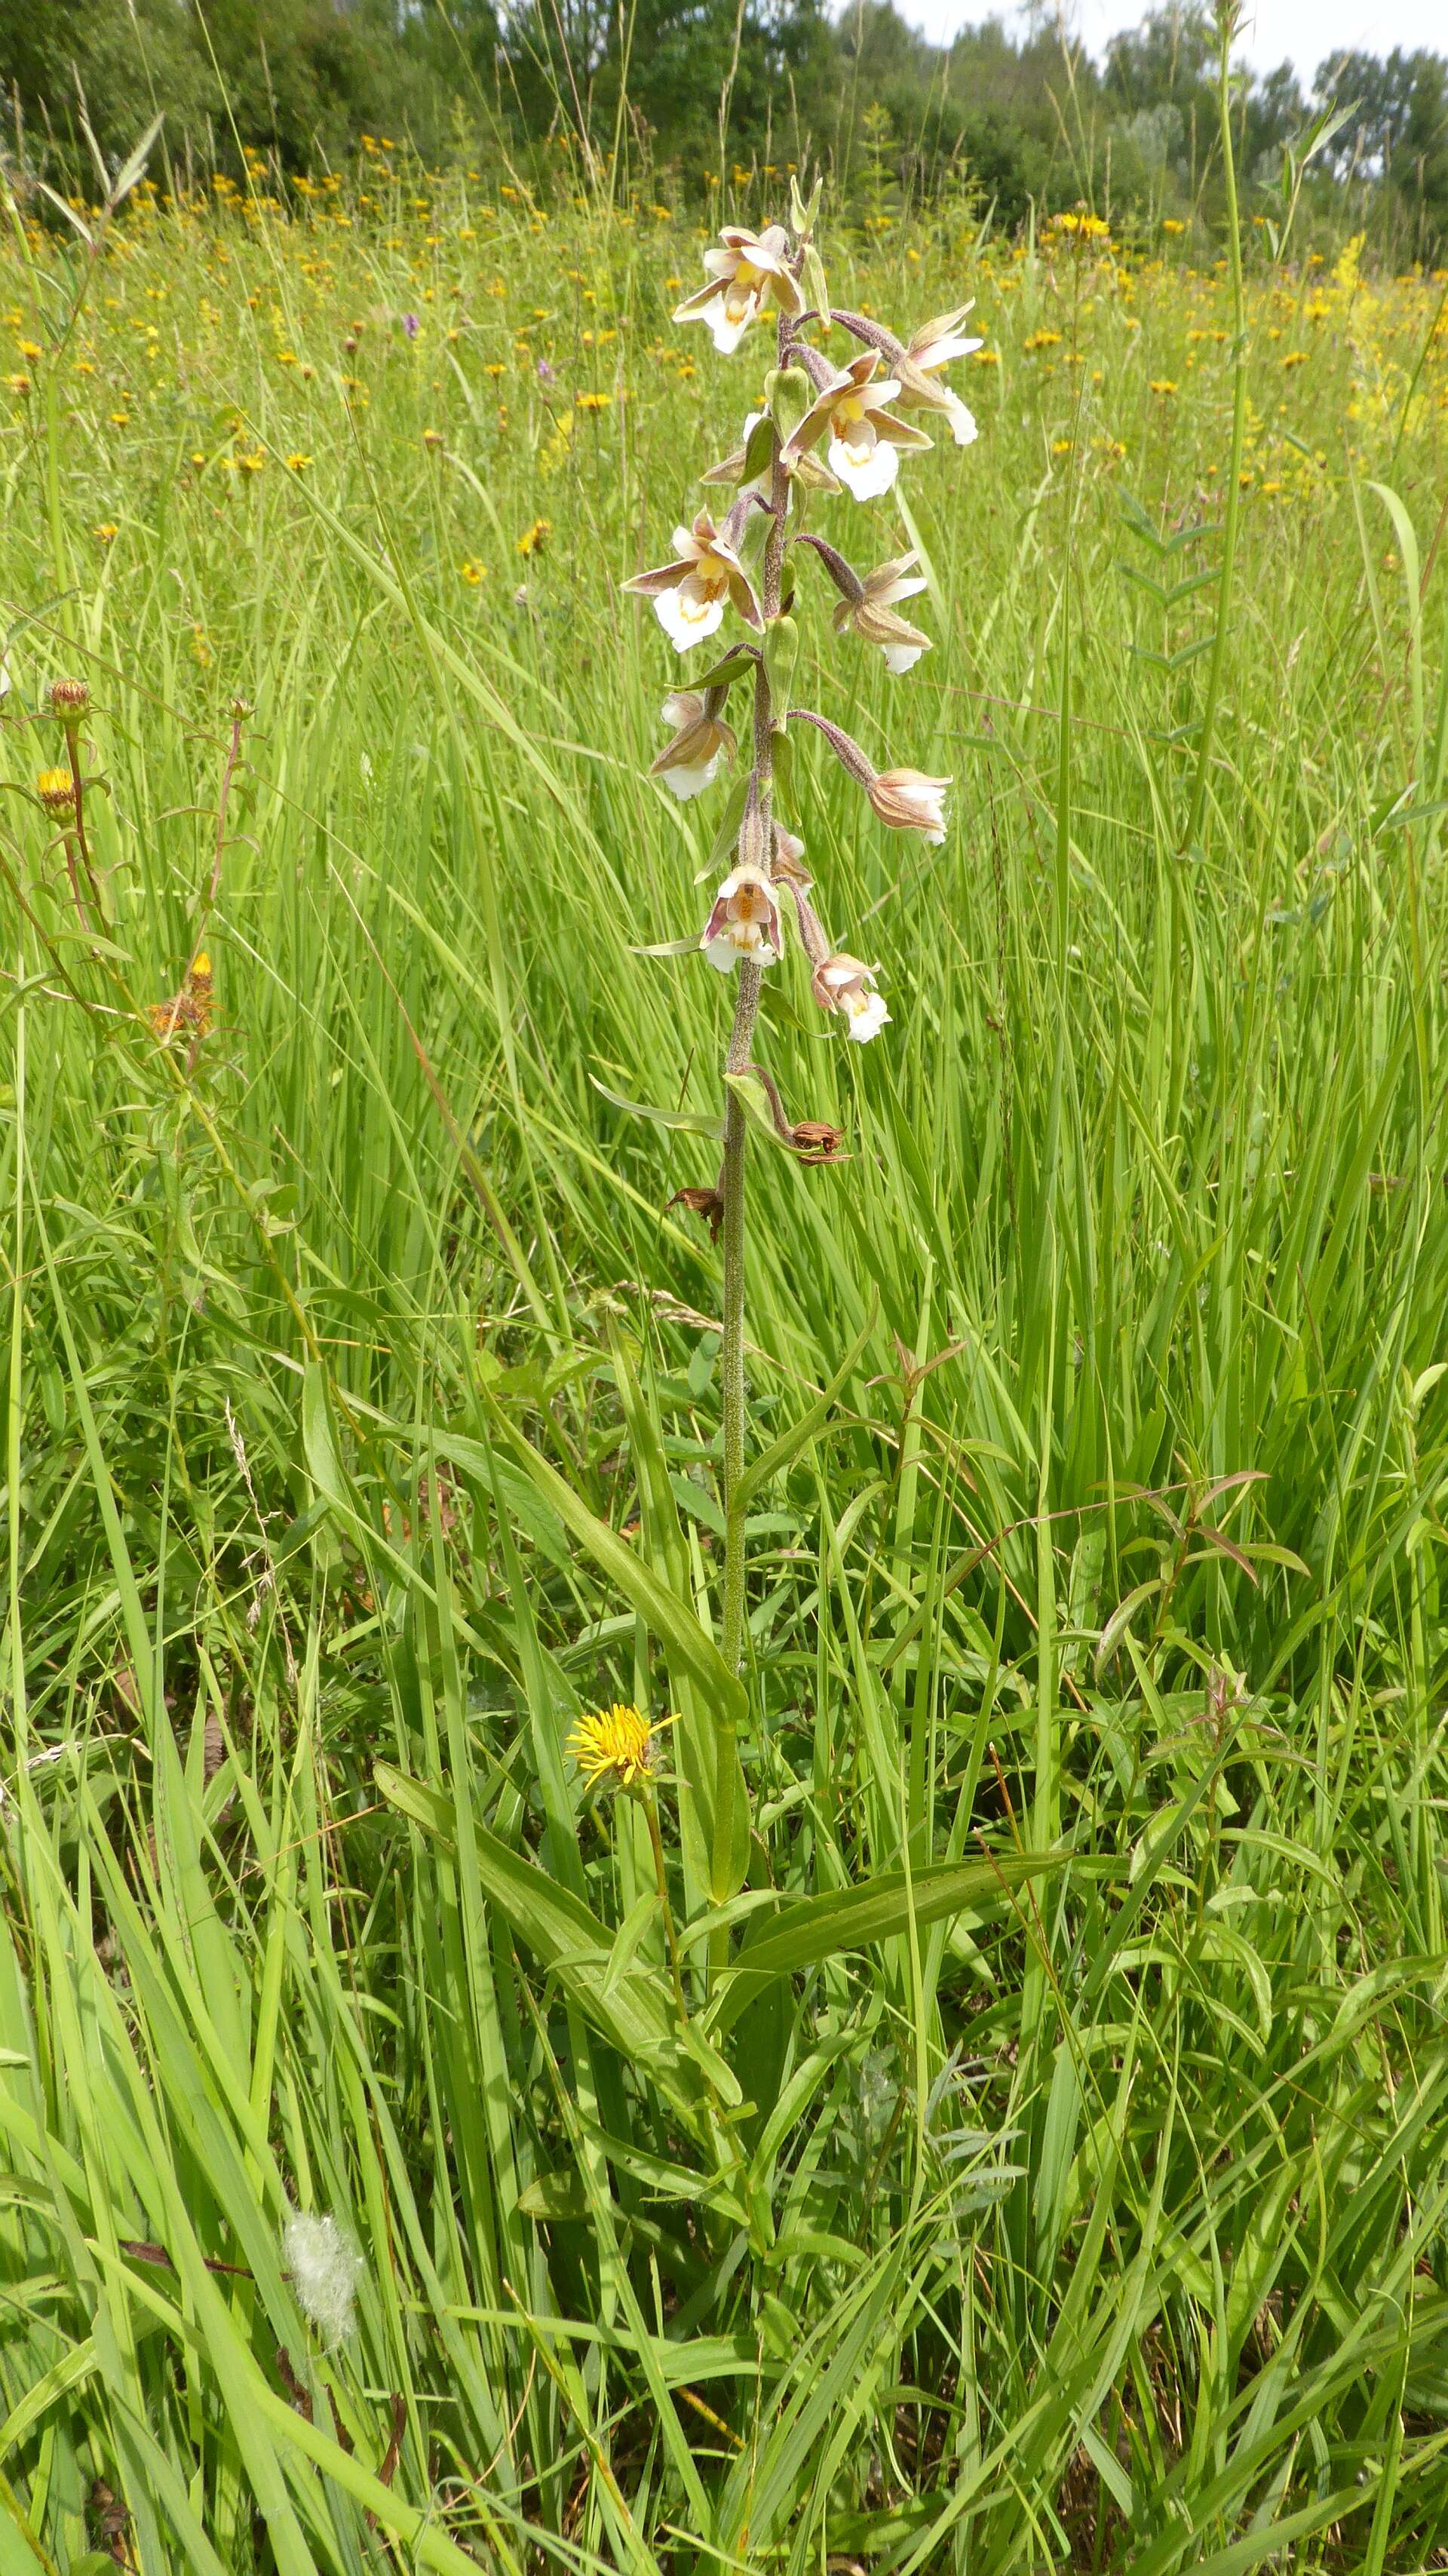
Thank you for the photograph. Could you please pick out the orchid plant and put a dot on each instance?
(821, 429)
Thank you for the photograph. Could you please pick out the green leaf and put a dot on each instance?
(774, 1460)
(130, 170)
(853, 1918)
(788, 394)
(554, 2196)
(687, 1122)
(753, 1099)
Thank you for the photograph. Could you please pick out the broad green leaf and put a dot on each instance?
(854, 1918)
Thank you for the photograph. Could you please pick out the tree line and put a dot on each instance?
(692, 90)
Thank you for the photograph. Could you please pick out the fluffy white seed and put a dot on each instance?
(325, 2267)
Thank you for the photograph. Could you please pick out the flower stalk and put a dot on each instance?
(822, 431)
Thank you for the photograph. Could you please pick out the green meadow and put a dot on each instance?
(1034, 2159)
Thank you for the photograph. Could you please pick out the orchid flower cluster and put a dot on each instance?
(820, 429)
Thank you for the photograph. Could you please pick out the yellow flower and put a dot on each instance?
(298, 463)
(616, 1748)
(472, 571)
(1163, 385)
(1295, 358)
(1042, 340)
(105, 531)
(593, 402)
(1169, 224)
(535, 538)
(30, 349)
(56, 790)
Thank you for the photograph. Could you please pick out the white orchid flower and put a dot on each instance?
(873, 613)
(689, 762)
(690, 594)
(749, 271)
(842, 983)
(745, 921)
(865, 437)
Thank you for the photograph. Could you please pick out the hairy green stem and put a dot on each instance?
(731, 1357)
(736, 1130)
(1226, 21)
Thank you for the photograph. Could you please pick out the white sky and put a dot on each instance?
(1302, 32)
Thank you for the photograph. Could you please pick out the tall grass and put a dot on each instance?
(361, 1427)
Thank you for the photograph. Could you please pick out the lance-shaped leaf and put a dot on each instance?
(852, 1918)
(687, 1122)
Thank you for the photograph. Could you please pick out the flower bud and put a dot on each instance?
(69, 699)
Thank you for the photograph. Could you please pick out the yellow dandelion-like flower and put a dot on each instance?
(615, 1748)
(30, 349)
(593, 402)
(297, 464)
(472, 571)
(56, 790)
(105, 530)
(533, 540)
(1163, 385)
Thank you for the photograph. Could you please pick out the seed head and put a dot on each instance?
(326, 2269)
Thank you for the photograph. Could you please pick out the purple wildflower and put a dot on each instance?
(411, 325)
(547, 374)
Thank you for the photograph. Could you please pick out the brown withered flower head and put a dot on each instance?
(708, 1204)
(815, 1141)
(190, 1008)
